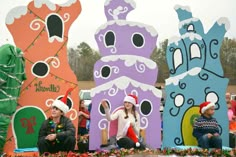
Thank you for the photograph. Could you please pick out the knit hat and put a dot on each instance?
(129, 132)
(62, 103)
(205, 106)
(133, 99)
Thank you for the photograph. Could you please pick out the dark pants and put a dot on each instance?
(232, 140)
(127, 143)
(66, 145)
(213, 142)
(82, 131)
(83, 147)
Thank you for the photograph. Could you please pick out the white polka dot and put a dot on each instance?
(179, 100)
(212, 97)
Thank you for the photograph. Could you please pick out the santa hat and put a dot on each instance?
(205, 106)
(62, 103)
(133, 99)
(129, 132)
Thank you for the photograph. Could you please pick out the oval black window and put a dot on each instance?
(106, 70)
(110, 38)
(101, 109)
(146, 107)
(40, 69)
(138, 40)
(52, 21)
(68, 102)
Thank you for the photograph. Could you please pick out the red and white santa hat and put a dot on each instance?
(62, 103)
(205, 106)
(133, 99)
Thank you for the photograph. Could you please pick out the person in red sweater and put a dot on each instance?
(232, 102)
(83, 117)
(231, 117)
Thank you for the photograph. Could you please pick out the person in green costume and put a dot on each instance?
(12, 75)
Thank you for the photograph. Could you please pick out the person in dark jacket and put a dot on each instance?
(57, 133)
(206, 128)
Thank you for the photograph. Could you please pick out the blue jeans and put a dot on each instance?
(213, 142)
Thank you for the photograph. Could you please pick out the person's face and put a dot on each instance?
(210, 111)
(227, 97)
(229, 105)
(128, 105)
(82, 104)
(56, 112)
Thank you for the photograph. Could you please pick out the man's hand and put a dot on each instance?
(51, 137)
(209, 135)
(216, 134)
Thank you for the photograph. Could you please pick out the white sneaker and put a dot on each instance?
(3, 155)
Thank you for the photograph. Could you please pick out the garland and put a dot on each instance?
(54, 128)
(157, 152)
(149, 153)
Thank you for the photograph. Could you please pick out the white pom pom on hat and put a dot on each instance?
(137, 144)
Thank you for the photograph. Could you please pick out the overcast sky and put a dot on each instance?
(158, 13)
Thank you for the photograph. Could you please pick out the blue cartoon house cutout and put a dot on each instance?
(196, 75)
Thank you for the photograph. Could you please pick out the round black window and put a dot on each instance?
(106, 70)
(146, 108)
(40, 69)
(110, 38)
(138, 40)
(101, 109)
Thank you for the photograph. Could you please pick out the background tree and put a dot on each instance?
(159, 56)
(82, 60)
(228, 59)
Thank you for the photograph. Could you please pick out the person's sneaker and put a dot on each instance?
(3, 154)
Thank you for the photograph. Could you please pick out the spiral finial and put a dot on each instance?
(116, 10)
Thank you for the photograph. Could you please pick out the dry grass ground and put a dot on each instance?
(91, 84)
